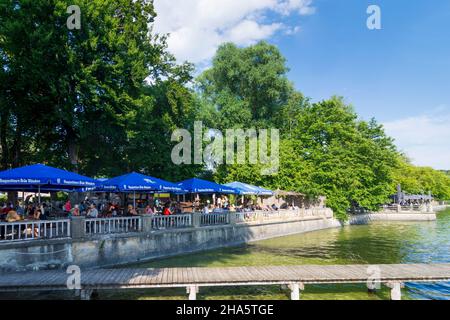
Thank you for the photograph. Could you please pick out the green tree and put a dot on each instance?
(421, 180)
(252, 80)
(74, 98)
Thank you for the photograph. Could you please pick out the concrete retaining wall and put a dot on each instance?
(381, 216)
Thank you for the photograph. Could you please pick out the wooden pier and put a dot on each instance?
(295, 277)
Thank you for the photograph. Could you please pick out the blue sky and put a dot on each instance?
(400, 74)
(402, 69)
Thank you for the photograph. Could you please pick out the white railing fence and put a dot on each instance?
(407, 208)
(171, 222)
(34, 230)
(210, 219)
(53, 229)
(112, 225)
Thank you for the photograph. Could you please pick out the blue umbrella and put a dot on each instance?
(44, 177)
(136, 182)
(196, 185)
(39, 178)
(133, 182)
(248, 189)
(265, 192)
(243, 189)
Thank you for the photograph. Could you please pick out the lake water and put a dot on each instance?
(376, 243)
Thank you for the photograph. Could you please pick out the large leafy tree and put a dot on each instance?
(249, 81)
(32, 51)
(75, 98)
(328, 151)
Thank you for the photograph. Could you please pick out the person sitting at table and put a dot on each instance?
(12, 216)
(37, 215)
(30, 213)
(7, 208)
(92, 212)
(82, 208)
(75, 211)
(149, 210)
(20, 209)
(131, 211)
(166, 210)
(29, 210)
(109, 210)
(205, 209)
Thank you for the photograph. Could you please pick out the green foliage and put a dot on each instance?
(80, 96)
(251, 81)
(329, 152)
(421, 180)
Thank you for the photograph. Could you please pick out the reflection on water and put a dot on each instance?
(377, 243)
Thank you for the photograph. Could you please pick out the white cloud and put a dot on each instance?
(248, 32)
(425, 138)
(198, 27)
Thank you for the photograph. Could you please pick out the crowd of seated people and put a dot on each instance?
(103, 209)
(22, 212)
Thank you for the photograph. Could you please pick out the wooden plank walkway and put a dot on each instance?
(192, 278)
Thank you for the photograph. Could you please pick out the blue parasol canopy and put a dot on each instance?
(248, 189)
(136, 182)
(43, 178)
(196, 185)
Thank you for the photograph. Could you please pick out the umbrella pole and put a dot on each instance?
(134, 200)
(39, 194)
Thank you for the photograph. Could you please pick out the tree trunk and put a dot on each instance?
(73, 157)
(4, 140)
